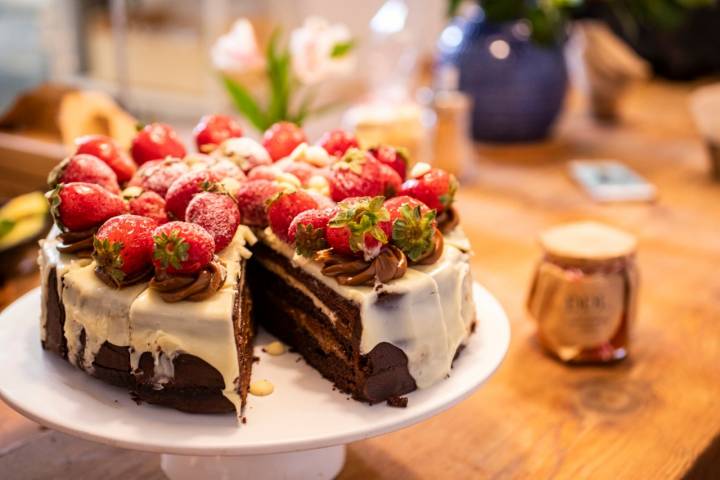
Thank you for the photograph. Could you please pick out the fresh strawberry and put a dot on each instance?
(107, 150)
(435, 188)
(184, 188)
(123, 248)
(391, 180)
(323, 201)
(274, 173)
(413, 226)
(337, 142)
(245, 152)
(156, 141)
(227, 169)
(217, 213)
(307, 230)
(79, 206)
(199, 161)
(213, 130)
(282, 138)
(252, 197)
(284, 206)
(148, 204)
(84, 168)
(396, 158)
(357, 174)
(360, 227)
(182, 248)
(158, 175)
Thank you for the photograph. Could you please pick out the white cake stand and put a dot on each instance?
(298, 432)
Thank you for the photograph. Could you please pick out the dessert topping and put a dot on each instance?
(217, 213)
(245, 152)
(414, 228)
(435, 188)
(84, 168)
(108, 151)
(215, 129)
(337, 142)
(194, 287)
(388, 265)
(77, 243)
(261, 388)
(123, 248)
(156, 141)
(282, 138)
(185, 188)
(307, 230)
(182, 248)
(80, 206)
(147, 204)
(360, 227)
(274, 348)
(357, 174)
(394, 157)
(448, 220)
(252, 197)
(158, 175)
(284, 206)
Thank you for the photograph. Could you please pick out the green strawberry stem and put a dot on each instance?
(170, 250)
(413, 232)
(361, 218)
(107, 256)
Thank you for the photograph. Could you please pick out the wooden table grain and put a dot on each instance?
(655, 415)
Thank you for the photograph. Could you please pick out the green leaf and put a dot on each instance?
(279, 79)
(245, 104)
(6, 225)
(341, 49)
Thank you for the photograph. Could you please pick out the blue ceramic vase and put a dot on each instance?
(517, 86)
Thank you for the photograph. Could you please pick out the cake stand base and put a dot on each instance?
(319, 464)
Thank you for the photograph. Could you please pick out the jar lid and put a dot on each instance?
(587, 241)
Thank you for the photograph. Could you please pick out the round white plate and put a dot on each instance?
(303, 413)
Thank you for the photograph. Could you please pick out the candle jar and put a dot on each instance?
(583, 295)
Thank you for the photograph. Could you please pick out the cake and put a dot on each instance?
(158, 284)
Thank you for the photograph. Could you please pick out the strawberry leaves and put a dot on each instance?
(362, 217)
(170, 249)
(413, 231)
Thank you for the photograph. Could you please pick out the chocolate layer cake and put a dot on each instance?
(193, 356)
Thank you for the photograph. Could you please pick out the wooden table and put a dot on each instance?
(656, 415)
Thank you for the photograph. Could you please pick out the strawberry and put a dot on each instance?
(199, 161)
(123, 248)
(413, 226)
(336, 142)
(84, 168)
(284, 206)
(282, 138)
(107, 150)
(251, 198)
(79, 206)
(182, 248)
(391, 180)
(184, 188)
(323, 201)
(156, 141)
(217, 213)
(357, 174)
(307, 230)
(213, 130)
(158, 175)
(227, 169)
(435, 188)
(245, 152)
(148, 204)
(274, 173)
(360, 227)
(303, 171)
(396, 158)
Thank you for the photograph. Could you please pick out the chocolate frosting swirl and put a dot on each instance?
(77, 243)
(197, 287)
(390, 263)
(433, 255)
(448, 220)
(112, 282)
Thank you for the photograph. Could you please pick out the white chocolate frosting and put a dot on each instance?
(430, 317)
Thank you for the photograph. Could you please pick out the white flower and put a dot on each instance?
(237, 51)
(320, 50)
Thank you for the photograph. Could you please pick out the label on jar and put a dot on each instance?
(575, 309)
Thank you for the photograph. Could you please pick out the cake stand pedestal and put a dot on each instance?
(298, 432)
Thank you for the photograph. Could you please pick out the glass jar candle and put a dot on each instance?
(583, 295)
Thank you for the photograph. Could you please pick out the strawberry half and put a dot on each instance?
(123, 247)
(158, 175)
(79, 206)
(217, 213)
(360, 227)
(395, 158)
(336, 142)
(252, 197)
(284, 206)
(436, 188)
(108, 150)
(184, 188)
(307, 230)
(213, 130)
(413, 226)
(156, 141)
(147, 204)
(356, 174)
(282, 138)
(84, 168)
(182, 248)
